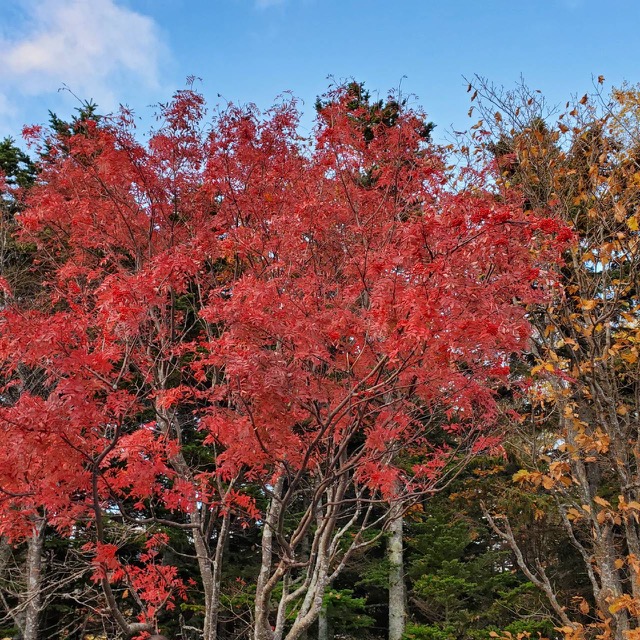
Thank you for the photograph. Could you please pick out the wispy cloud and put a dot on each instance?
(95, 47)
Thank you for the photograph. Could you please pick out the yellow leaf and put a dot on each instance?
(623, 602)
(632, 222)
(601, 501)
(584, 607)
(619, 563)
(547, 482)
(521, 476)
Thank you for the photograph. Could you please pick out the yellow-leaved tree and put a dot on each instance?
(582, 400)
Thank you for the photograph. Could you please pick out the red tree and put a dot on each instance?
(310, 317)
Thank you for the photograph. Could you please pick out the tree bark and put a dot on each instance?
(323, 624)
(33, 593)
(263, 629)
(397, 596)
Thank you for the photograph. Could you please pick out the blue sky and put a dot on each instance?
(139, 51)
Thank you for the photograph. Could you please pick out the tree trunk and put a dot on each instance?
(263, 629)
(208, 579)
(33, 593)
(397, 613)
(323, 624)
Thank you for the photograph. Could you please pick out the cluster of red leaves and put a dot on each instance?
(156, 583)
(313, 309)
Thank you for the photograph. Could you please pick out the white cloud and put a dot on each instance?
(95, 47)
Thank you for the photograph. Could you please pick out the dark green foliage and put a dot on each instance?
(17, 167)
(347, 612)
(462, 582)
(16, 258)
(87, 111)
(370, 114)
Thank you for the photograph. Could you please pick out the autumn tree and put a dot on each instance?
(239, 331)
(581, 166)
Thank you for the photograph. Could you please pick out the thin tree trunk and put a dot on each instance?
(397, 610)
(323, 624)
(33, 594)
(213, 606)
(263, 629)
(208, 581)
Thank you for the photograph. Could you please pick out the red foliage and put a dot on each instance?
(311, 310)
